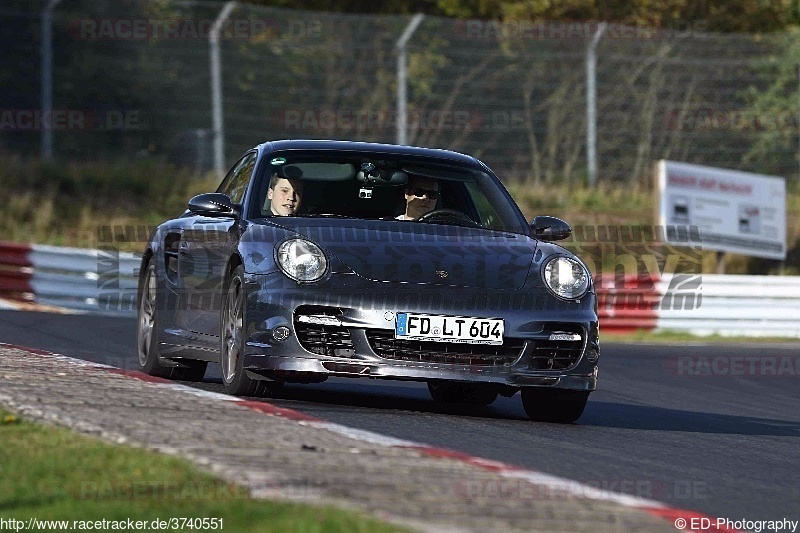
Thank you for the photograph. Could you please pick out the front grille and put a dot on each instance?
(385, 345)
(322, 338)
(554, 355)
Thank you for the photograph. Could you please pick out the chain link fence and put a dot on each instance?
(133, 77)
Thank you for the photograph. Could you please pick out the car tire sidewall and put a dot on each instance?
(554, 405)
(150, 363)
(238, 383)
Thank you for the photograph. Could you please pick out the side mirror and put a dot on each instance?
(213, 204)
(546, 228)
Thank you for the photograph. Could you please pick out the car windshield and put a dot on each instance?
(379, 186)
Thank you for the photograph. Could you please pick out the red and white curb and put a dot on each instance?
(680, 518)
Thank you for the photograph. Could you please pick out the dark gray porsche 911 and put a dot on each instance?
(333, 258)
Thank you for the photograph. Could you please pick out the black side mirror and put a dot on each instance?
(546, 228)
(214, 204)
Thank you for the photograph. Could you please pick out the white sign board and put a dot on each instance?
(733, 211)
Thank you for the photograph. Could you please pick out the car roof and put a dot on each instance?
(355, 146)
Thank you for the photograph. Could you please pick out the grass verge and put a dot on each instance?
(52, 473)
(66, 204)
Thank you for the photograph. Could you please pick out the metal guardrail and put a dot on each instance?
(707, 304)
(73, 278)
(752, 306)
(106, 281)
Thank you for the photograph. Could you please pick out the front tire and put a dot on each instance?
(554, 405)
(148, 352)
(232, 340)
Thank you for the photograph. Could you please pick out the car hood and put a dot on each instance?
(407, 252)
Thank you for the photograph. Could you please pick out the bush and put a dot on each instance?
(65, 203)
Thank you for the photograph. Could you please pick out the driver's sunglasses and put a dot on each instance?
(420, 192)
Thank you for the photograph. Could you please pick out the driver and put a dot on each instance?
(421, 196)
(284, 196)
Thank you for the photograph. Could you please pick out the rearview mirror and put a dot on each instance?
(213, 204)
(548, 228)
(373, 177)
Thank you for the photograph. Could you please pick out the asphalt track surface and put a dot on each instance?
(725, 444)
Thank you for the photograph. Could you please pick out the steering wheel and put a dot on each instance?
(448, 216)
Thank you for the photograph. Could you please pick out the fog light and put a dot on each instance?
(592, 355)
(281, 333)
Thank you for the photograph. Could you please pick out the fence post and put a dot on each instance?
(216, 89)
(402, 67)
(591, 104)
(47, 78)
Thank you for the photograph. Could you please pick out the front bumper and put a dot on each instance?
(344, 329)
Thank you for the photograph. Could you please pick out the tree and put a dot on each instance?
(711, 15)
(773, 109)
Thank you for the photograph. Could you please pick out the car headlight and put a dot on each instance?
(566, 277)
(302, 260)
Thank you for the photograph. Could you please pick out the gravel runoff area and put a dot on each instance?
(284, 459)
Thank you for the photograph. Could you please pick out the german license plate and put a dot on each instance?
(468, 330)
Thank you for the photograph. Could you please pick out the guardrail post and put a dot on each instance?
(47, 77)
(591, 104)
(402, 72)
(216, 89)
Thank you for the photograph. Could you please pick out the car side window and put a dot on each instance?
(235, 183)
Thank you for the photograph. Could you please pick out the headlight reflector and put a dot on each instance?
(566, 277)
(302, 260)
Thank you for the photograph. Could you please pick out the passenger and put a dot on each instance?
(421, 196)
(284, 196)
